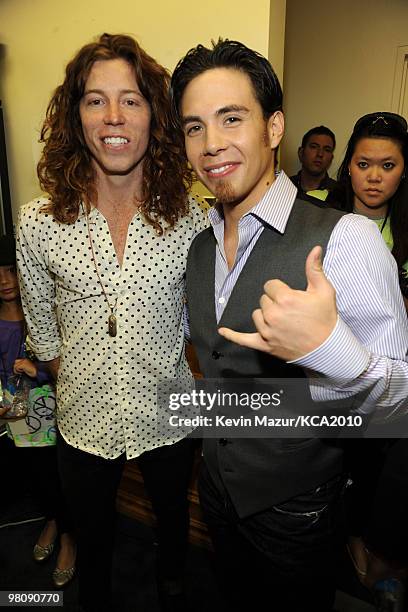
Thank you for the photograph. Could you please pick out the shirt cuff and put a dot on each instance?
(44, 352)
(341, 356)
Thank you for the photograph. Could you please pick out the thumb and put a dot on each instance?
(315, 276)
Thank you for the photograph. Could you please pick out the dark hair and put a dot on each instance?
(392, 127)
(7, 250)
(228, 54)
(320, 129)
(65, 170)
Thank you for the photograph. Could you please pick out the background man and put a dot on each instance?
(102, 265)
(316, 155)
(272, 505)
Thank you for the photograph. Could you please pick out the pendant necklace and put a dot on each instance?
(112, 324)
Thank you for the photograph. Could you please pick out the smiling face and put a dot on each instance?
(228, 142)
(9, 290)
(317, 155)
(376, 169)
(115, 119)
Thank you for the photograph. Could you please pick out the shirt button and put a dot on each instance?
(221, 300)
(216, 355)
(223, 441)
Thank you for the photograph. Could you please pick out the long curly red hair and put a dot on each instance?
(65, 170)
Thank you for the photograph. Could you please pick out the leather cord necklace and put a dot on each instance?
(112, 323)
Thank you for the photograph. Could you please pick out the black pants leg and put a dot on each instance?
(90, 485)
(283, 558)
(41, 472)
(365, 458)
(387, 532)
(166, 473)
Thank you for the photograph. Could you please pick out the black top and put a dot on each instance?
(326, 183)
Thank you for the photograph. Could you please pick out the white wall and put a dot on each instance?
(339, 64)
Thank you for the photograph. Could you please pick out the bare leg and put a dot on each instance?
(48, 534)
(67, 553)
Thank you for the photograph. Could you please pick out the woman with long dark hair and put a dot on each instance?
(373, 183)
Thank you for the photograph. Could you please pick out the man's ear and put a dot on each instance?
(300, 154)
(275, 128)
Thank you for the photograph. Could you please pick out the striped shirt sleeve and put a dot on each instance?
(367, 350)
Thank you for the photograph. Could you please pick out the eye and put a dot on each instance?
(94, 102)
(232, 120)
(388, 165)
(132, 102)
(362, 164)
(192, 130)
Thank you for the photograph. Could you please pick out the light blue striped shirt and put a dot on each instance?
(273, 209)
(367, 350)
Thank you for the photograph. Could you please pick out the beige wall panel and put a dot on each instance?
(339, 64)
(277, 36)
(40, 36)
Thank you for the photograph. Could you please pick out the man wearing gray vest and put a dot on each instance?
(273, 506)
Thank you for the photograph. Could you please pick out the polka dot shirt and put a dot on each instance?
(107, 386)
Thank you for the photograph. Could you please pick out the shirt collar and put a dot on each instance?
(92, 213)
(324, 183)
(273, 208)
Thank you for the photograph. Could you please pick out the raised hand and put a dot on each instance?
(291, 323)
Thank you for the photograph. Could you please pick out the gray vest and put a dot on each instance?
(258, 473)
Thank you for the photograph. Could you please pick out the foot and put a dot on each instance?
(67, 554)
(370, 568)
(65, 569)
(380, 569)
(358, 555)
(45, 543)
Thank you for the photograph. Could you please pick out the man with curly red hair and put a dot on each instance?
(102, 263)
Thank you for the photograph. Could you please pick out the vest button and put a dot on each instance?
(216, 355)
(223, 441)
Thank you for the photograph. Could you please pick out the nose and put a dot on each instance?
(374, 175)
(319, 152)
(113, 114)
(214, 141)
(4, 277)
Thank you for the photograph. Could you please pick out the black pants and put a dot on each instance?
(90, 485)
(36, 471)
(387, 530)
(283, 558)
(365, 458)
(44, 468)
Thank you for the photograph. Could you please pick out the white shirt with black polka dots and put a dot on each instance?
(106, 391)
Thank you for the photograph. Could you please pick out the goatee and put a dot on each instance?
(224, 193)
